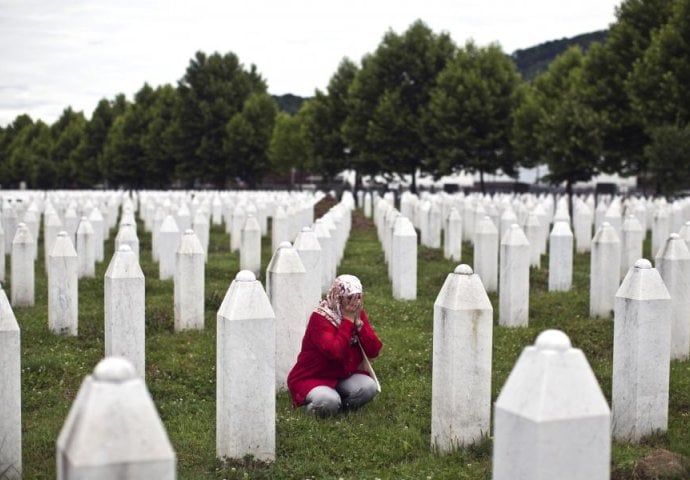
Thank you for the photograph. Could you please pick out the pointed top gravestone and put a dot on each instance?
(113, 430)
(641, 354)
(461, 380)
(551, 418)
(673, 263)
(10, 392)
(245, 372)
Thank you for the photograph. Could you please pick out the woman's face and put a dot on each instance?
(352, 302)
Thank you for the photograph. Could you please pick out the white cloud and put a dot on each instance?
(75, 52)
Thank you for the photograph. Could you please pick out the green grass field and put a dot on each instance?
(390, 438)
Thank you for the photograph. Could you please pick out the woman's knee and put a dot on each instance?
(322, 402)
(358, 390)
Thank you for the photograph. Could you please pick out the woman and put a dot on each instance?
(327, 377)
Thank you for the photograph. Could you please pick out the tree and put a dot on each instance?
(90, 152)
(213, 89)
(29, 154)
(7, 145)
(469, 117)
(668, 158)
(124, 153)
(568, 133)
(68, 133)
(248, 135)
(324, 116)
(660, 81)
(606, 70)
(158, 140)
(384, 127)
(288, 149)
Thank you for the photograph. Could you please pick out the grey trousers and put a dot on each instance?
(348, 394)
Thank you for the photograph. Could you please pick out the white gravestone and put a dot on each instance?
(434, 226)
(367, 205)
(641, 354)
(461, 374)
(673, 264)
(63, 287)
(280, 228)
(661, 228)
(632, 238)
(124, 307)
(96, 219)
(127, 235)
(604, 271)
(188, 291)
(201, 228)
(168, 240)
(328, 257)
(250, 248)
(245, 372)
(452, 237)
(10, 392)
(31, 221)
(533, 232)
(51, 227)
(85, 249)
(22, 268)
(486, 253)
(551, 418)
(71, 222)
(113, 430)
(285, 287)
(239, 217)
(560, 257)
(582, 224)
(309, 250)
(2, 254)
(404, 260)
(9, 225)
(513, 291)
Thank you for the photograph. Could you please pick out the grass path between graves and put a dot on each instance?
(387, 439)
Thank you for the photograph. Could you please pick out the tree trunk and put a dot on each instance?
(413, 185)
(482, 186)
(569, 190)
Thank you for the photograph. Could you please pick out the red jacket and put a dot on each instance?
(328, 356)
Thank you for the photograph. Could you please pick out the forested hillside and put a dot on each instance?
(534, 60)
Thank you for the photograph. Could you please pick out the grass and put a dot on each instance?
(390, 438)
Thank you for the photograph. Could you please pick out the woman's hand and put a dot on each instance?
(351, 308)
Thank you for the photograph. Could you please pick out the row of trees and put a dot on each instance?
(418, 102)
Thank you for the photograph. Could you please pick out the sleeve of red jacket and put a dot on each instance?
(368, 338)
(333, 343)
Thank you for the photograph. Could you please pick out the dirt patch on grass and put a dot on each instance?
(324, 205)
(661, 464)
(359, 221)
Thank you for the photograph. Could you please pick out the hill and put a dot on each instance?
(530, 62)
(534, 60)
(289, 103)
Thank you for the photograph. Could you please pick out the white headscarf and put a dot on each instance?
(343, 286)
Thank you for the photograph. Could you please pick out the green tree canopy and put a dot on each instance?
(288, 148)
(469, 117)
(384, 128)
(248, 138)
(568, 134)
(324, 116)
(213, 89)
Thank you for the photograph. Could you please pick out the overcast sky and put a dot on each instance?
(56, 53)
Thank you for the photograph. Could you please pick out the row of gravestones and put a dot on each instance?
(652, 326)
(293, 281)
(519, 250)
(565, 432)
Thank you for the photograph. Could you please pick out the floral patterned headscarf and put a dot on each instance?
(343, 286)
